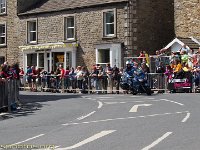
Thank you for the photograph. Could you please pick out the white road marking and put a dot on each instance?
(157, 141)
(105, 97)
(106, 120)
(28, 139)
(186, 118)
(88, 140)
(137, 96)
(100, 104)
(83, 117)
(172, 102)
(150, 98)
(110, 103)
(135, 107)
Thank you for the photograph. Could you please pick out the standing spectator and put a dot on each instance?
(22, 77)
(185, 49)
(191, 58)
(116, 78)
(72, 77)
(141, 56)
(109, 73)
(34, 76)
(85, 74)
(145, 68)
(197, 75)
(29, 74)
(79, 77)
(184, 57)
(157, 59)
(146, 57)
(62, 74)
(58, 76)
(66, 79)
(104, 80)
(94, 76)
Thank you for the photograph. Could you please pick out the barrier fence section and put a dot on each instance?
(89, 84)
(9, 94)
(157, 82)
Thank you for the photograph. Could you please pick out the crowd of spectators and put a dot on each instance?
(101, 78)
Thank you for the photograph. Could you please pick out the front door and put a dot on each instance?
(58, 58)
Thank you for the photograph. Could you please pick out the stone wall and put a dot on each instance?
(10, 51)
(155, 24)
(187, 18)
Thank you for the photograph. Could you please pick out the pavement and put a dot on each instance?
(103, 122)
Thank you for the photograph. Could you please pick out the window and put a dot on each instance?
(69, 28)
(109, 23)
(31, 59)
(2, 34)
(32, 32)
(2, 59)
(41, 60)
(103, 56)
(2, 6)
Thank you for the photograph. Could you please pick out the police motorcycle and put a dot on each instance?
(134, 80)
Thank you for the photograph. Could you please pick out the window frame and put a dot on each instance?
(5, 36)
(5, 12)
(28, 31)
(65, 28)
(105, 35)
(97, 56)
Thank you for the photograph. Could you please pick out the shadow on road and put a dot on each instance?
(31, 102)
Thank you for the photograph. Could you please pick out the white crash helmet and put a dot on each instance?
(128, 63)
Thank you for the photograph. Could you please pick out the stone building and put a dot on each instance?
(187, 18)
(48, 32)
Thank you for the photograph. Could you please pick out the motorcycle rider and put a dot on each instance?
(129, 69)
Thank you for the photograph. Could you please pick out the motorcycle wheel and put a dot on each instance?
(134, 92)
(148, 91)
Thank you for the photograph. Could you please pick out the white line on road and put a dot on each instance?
(106, 120)
(186, 118)
(28, 139)
(83, 117)
(138, 96)
(100, 104)
(135, 107)
(172, 102)
(157, 141)
(88, 140)
(105, 97)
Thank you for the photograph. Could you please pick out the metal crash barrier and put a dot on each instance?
(157, 82)
(9, 93)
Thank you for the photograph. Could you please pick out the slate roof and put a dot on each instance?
(59, 5)
(190, 43)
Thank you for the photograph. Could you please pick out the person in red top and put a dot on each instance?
(141, 56)
(22, 77)
(34, 76)
(66, 78)
(62, 74)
